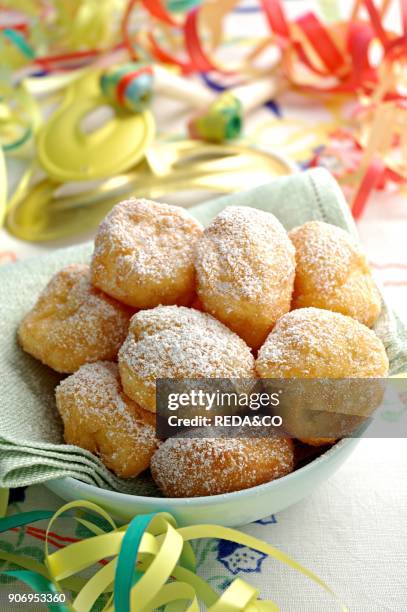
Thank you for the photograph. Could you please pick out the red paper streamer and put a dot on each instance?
(372, 177)
(199, 58)
(158, 10)
(403, 10)
(321, 41)
(276, 18)
(376, 22)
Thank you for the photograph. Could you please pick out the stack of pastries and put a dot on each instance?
(165, 298)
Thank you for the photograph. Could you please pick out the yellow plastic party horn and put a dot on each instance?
(80, 143)
(223, 119)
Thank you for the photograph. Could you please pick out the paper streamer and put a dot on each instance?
(3, 188)
(335, 49)
(320, 57)
(143, 556)
(3, 502)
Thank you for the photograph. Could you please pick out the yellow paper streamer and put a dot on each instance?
(20, 117)
(39, 213)
(3, 498)
(162, 549)
(3, 195)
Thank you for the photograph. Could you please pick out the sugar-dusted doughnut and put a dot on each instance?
(245, 271)
(144, 254)
(98, 417)
(195, 467)
(311, 343)
(333, 273)
(178, 342)
(73, 323)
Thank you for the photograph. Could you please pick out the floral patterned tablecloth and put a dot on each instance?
(351, 532)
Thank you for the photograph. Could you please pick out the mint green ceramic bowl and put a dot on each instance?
(294, 200)
(229, 509)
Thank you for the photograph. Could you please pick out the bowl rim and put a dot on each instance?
(222, 497)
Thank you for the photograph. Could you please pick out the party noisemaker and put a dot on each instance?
(131, 86)
(223, 118)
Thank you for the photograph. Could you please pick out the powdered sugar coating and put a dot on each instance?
(333, 273)
(245, 271)
(178, 342)
(316, 343)
(310, 343)
(99, 417)
(194, 467)
(73, 323)
(144, 254)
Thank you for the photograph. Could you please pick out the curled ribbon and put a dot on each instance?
(3, 502)
(331, 56)
(3, 204)
(151, 564)
(193, 30)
